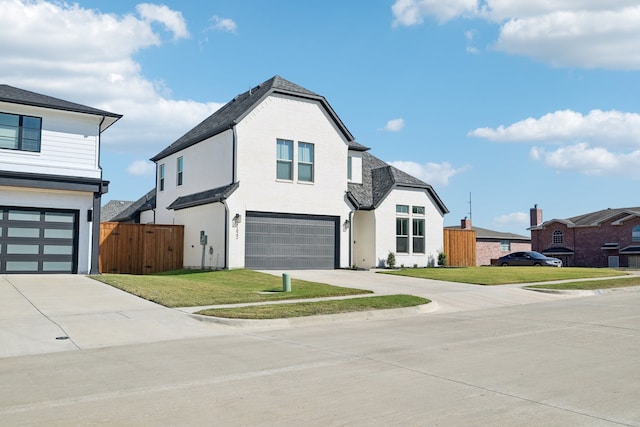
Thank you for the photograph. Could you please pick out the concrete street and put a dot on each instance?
(553, 361)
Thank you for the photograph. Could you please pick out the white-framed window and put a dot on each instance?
(402, 235)
(635, 234)
(402, 209)
(558, 237)
(305, 161)
(505, 245)
(418, 210)
(284, 160)
(18, 132)
(418, 235)
(180, 169)
(161, 177)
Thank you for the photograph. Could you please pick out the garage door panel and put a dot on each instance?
(38, 240)
(280, 241)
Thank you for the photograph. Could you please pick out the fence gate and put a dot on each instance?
(140, 248)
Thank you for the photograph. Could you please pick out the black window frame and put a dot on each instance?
(21, 133)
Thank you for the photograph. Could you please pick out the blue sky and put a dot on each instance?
(507, 103)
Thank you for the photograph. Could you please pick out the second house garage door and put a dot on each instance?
(38, 240)
(283, 241)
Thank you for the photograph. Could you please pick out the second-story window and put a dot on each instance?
(161, 177)
(19, 132)
(180, 170)
(305, 162)
(558, 237)
(284, 162)
(635, 234)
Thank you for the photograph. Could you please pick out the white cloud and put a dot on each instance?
(567, 33)
(613, 128)
(170, 19)
(431, 173)
(141, 168)
(92, 56)
(413, 12)
(512, 219)
(394, 125)
(598, 143)
(589, 160)
(224, 24)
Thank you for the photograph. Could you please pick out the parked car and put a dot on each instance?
(529, 258)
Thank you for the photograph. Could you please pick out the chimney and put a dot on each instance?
(535, 216)
(465, 224)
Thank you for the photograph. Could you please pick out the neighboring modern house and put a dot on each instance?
(606, 238)
(51, 183)
(275, 180)
(491, 245)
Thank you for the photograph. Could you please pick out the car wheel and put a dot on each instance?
(537, 264)
(504, 264)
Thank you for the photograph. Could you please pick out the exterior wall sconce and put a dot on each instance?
(237, 219)
(346, 224)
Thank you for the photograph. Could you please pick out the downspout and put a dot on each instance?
(234, 154)
(226, 235)
(95, 226)
(350, 239)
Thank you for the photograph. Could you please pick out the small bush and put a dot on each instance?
(442, 259)
(391, 260)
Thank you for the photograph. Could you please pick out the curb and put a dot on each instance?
(391, 313)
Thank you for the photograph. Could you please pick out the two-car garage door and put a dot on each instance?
(38, 240)
(284, 241)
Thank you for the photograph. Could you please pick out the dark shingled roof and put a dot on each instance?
(112, 209)
(204, 197)
(15, 95)
(484, 233)
(144, 203)
(379, 178)
(594, 218)
(236, 109)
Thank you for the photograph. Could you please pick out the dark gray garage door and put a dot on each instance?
(281, 241)
(38, 240)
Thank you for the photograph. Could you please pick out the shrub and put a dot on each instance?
(442, 259)
(391, 260)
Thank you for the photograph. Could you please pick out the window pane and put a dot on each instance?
(402, 209)
(9, 120)
(349, 167)
(56, 266)
(32, 123)
(418, 245)
(8, 137)
(402, 244)
(635, 234)
(418, 227)
(54, 233)
(285, 150)
(23, 249)
(30, 145)
(23, 232)
(66, 217)
(305, 152)
(24, 216)
(418, 210)
(305, 172)
(57, 250)
(284, 170)
(15, 266)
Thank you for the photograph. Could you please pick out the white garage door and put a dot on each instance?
(38, 240)
(282, 241)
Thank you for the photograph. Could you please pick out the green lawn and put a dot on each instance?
(593, 284)
(189, 288)
(505, 275)
(278, 311)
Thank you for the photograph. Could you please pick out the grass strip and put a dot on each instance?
(190, 288)
(278, 311)
(491, 276)
(592, 284)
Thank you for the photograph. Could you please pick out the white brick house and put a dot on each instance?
(50, 183)
(275, 180)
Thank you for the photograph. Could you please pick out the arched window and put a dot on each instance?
(635, 234)
(558, 237)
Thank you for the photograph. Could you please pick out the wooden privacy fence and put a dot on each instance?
(140, 248)
(460, 247)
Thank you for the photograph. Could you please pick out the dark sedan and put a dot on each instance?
(529, 258)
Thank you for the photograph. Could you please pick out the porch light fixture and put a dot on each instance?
(347, 223)
(237, 219)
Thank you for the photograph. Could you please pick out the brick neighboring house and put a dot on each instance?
(491, 245)
(606, 238)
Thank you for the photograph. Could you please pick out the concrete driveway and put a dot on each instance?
(51, 313)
